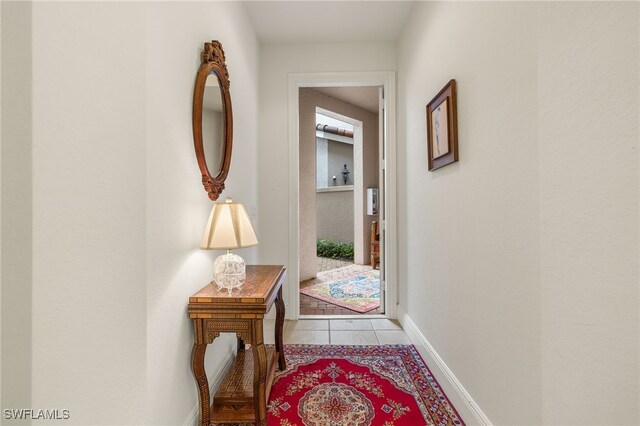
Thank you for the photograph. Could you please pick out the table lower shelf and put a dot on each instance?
(233, 402)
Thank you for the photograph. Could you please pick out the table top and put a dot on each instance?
(261, 283)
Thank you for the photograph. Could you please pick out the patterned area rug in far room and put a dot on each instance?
(357, 386)
(359, 292)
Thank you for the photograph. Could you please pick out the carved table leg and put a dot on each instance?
(197, 367)
(259, 372)
(282, 363)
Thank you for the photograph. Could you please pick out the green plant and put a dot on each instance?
(334, 249)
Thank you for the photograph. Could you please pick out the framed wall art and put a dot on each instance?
(442, 128)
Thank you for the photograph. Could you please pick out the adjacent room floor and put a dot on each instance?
(339, 332)
(331, 269)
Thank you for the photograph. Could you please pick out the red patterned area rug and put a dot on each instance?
(356, 386)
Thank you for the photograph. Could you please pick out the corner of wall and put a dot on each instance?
(16, 216)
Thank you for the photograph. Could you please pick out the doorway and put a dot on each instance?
(354, 247)
(338, 274)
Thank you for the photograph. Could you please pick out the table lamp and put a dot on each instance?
(228, 228)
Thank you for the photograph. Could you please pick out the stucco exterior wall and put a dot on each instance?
(339, 155)
(334, 216)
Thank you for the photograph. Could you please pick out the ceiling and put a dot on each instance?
(363, 97)
(328, 21)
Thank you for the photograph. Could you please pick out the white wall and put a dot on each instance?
(118, 206)
(89, 190)
(521, 260)
(177, 204)
(588, 149)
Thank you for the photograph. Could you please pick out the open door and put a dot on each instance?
(381, 193)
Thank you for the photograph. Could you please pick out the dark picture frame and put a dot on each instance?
(442, 128)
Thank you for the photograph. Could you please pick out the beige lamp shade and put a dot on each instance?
(228, 228)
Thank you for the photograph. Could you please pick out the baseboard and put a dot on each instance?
(214, 383)
(457, 394)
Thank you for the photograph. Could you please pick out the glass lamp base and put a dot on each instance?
(229, 271)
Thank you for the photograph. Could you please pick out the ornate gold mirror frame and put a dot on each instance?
(213, 62)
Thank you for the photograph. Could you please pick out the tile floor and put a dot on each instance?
(339, 332)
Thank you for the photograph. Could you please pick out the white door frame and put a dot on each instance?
(387, 79)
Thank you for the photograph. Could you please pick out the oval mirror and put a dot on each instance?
(212, 119)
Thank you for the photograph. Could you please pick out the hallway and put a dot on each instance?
(514, 271)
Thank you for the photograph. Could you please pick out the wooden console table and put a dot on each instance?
(243, 395)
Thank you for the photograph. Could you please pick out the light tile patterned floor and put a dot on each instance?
(330, 270)
(339, 332)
